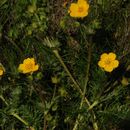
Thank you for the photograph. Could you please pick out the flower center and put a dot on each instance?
(108, 62)
(29, 66)
(80, 9)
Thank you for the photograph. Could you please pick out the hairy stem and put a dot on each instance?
(84, 91)
(78, 88)
(95, 126)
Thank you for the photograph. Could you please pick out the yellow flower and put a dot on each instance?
(79, 9)
(2, 70)
(28, 66)
(108, 61)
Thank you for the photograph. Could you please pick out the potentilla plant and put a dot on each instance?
(64, 65)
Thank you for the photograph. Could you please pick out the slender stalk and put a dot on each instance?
(44, 128)
(20, 119)
(84, 91)
(69, 74)
(2, 98)
(54, 93)
(78, 88)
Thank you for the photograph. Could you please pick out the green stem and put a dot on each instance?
(95, 126)
(19, 118)
(70, 75)
(78, 88)
(54, 93)
(66, 69)
(2, 98)
(84, 91)
(95, 103)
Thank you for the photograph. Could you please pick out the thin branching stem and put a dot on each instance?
(95, 126)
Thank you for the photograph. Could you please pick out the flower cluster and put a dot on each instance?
(108, 61)
(79, 9)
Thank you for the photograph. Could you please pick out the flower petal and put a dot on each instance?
(104, 56)
(21, 67)
(108, 68)
(1, 72)
(36, 68)
(73, 7)
(112, 56)
(101, 64)
(115, 63)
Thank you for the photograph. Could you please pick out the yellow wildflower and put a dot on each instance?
(28, 66)
(79, 9)
(108, 61)
(2, 70)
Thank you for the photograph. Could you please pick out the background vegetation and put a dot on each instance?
(67, 50)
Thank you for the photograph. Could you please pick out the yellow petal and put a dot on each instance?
(73, 10)
(36, 68)
(1, 72)
(115, 63)
(108, 68)
(101, 64)
(104, 56)
(84, 6)
(28, 60)
(112, 56)
(82, 2)
(21, 67)
(26, 71)
(73, 7)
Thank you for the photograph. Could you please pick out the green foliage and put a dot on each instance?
(69, 88)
